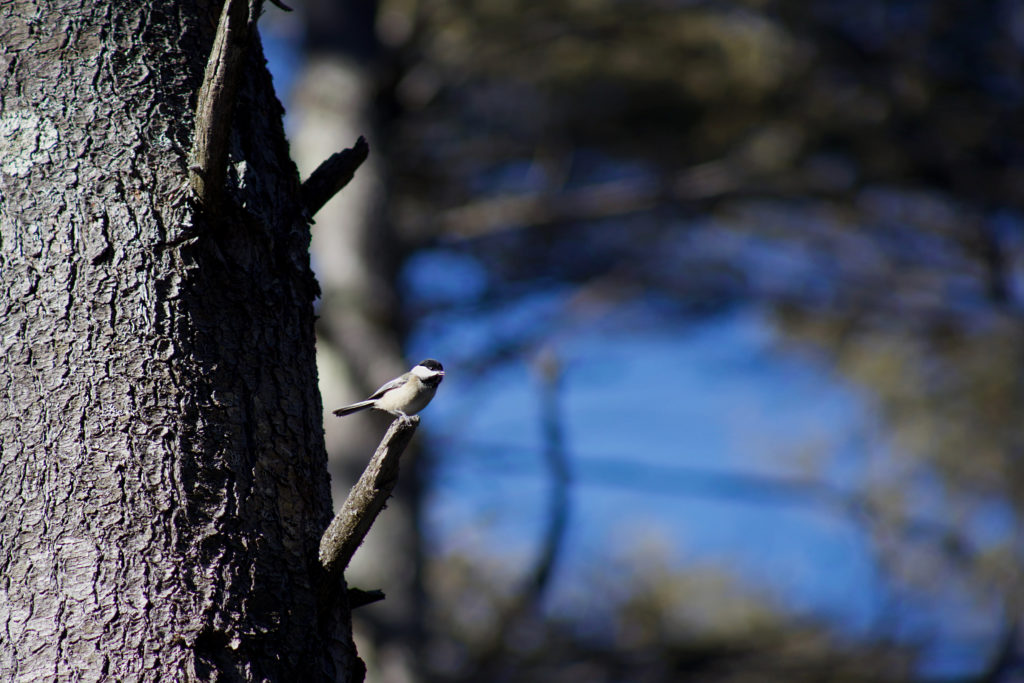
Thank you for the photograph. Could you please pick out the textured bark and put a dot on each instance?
(163, 479)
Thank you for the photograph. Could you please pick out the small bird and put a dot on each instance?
(406, 394)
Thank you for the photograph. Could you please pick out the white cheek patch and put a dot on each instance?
(425, 373)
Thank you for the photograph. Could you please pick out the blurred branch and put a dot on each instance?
(365, 501)
(558, 468)
(997, 270)
(600, 200)
(1005, 664)
(491, 655)
(332, 175)
(707, 182)
(754, 489)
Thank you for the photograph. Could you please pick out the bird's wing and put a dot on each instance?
(393, 384)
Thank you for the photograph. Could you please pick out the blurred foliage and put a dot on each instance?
(640, 620)
(854, 169)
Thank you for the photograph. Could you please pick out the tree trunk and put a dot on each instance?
(360, 345)
(162, 465)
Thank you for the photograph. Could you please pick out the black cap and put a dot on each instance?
(431, 364)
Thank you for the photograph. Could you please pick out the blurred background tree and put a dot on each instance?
(765, 259)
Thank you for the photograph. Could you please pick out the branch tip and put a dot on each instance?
(332, 175)
(357, 597)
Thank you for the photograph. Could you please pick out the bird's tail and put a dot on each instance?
(354, 408)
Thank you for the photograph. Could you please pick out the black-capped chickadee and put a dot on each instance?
(405, 395)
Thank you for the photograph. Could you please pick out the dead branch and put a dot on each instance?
(333, 174)
(365, 501)
(208, 158)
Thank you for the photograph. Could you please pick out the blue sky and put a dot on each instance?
(651, 419)
(654, 420)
